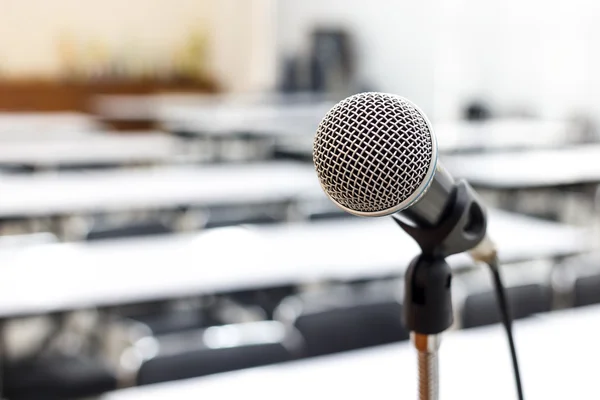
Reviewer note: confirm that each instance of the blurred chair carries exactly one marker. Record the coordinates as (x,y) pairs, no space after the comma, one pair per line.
(197,146)
(280,153)
(27,239)
(249,220)
(267,299)
(57,378)
(54,357)
(318,210)
(16,169)
(87,167)
(477,110)
(232,216)
(214,350)
(188,135)
(175,321)
(586,290)
(245,147)
(21,225)
(290,76)
(332,61)
(133,229)
(167,316)
(525,300)
(342,319)
(328,215)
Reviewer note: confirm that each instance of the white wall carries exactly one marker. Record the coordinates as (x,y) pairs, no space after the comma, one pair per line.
(539,54)
(394,38)
(542,55)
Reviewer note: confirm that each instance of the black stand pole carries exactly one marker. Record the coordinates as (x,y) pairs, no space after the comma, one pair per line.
(427,297)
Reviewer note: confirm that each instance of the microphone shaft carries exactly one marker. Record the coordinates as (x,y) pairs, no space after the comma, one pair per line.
(427,351)
(428,376)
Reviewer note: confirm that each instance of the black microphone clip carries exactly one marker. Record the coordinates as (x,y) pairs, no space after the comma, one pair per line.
(427,295)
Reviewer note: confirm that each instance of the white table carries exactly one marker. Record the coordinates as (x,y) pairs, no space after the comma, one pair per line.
(261,119)
(151,107)
(42,125)
(159,187)
(368,247)
(91,148)
(558,355)
(493,135)
(528,169)
(42,278)
(504,134)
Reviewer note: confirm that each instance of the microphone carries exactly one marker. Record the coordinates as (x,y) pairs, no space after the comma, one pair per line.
(375,155)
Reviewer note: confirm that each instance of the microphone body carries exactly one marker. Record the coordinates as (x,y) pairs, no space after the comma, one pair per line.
(428,209)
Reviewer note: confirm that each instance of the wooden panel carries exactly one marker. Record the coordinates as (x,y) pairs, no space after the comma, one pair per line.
(58,96)
(63,96)
(40,96)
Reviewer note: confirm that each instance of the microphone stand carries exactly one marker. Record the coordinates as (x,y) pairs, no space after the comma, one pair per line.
(428,281)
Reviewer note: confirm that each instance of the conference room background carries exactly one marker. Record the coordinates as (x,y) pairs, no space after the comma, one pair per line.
(163,232)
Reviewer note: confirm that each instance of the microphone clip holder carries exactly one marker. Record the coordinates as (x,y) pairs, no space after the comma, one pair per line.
(427,296)
(428,280)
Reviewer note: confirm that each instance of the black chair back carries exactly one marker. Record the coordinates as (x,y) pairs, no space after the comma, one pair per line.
(346,320)
(587,290)
(350,328)
(482,309)
(57,378)
(128,230)
(218,349)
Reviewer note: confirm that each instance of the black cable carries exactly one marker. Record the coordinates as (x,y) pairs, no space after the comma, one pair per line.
(506,321)
(2,359)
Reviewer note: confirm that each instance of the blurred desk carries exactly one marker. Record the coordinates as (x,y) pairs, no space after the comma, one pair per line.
(557,353)
(494,135)
(46,194)
(362,248)
(159,106)
(528,169)
(259,120)
(91,148)
(37,125)
(505,134)
(63,276)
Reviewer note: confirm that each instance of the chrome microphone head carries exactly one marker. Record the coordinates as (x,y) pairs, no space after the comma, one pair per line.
(375,154)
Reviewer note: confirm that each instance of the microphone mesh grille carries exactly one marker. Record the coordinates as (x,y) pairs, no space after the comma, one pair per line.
(372,151)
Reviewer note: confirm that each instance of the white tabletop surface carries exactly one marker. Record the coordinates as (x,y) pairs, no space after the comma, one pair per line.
(41,278)
(165,186)
(558,355)
(539,168)
(262,119)
(153,106)
(39,125)
(499,134)
(503,133)
(96,147)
